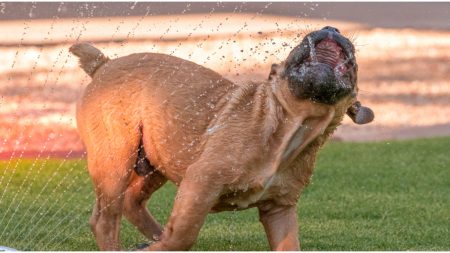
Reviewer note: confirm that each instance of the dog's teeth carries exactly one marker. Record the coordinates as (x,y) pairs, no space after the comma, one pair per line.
(312,50)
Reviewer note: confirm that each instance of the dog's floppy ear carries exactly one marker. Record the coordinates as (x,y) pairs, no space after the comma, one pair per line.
(273,71)
(360,114)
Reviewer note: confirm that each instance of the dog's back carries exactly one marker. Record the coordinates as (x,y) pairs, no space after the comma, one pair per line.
(164,100)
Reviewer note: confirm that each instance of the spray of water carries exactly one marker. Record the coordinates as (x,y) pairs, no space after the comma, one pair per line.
(44,222)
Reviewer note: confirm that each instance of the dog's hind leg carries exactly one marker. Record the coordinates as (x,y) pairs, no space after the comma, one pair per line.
(111,158)
(110,180)
(110,185)
(144,181)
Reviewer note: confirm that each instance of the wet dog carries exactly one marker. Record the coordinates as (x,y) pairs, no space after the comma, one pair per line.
(147,118)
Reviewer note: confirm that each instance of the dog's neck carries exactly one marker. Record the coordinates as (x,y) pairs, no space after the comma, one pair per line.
(297,108)
(304,121)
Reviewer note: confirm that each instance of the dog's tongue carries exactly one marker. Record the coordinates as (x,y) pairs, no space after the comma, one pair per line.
(329,52)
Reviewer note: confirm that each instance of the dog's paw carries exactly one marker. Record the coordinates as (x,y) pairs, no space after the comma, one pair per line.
(141,246)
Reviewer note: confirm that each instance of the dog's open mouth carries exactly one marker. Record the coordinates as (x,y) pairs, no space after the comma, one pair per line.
(329,52)
(323,67)
(326,46)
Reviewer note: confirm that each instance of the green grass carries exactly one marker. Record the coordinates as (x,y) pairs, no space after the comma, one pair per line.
(363,196)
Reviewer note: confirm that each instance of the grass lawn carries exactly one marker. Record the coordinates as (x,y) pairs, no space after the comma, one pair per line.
(363,196)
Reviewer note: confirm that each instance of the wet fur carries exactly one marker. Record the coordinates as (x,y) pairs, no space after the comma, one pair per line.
(148,118)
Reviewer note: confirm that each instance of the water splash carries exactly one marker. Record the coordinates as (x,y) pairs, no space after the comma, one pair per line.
(36,229)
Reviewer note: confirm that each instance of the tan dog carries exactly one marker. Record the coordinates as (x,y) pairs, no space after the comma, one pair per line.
(148,118)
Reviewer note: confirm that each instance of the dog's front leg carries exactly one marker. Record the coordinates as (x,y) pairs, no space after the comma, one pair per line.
(197,194)
(280,224)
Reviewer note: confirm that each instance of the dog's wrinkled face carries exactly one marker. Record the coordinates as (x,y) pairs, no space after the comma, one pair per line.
(323,69)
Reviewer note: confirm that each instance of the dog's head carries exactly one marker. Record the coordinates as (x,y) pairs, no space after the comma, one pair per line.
(323,69)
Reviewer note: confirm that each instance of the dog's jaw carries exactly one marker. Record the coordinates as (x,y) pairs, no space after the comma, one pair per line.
(322,68)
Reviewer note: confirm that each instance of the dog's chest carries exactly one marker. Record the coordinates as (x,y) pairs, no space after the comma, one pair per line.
(276,180)
(276,188)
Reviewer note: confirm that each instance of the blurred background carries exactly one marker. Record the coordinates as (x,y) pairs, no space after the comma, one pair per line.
(403,50)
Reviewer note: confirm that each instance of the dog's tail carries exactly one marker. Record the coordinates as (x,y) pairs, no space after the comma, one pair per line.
(90,57)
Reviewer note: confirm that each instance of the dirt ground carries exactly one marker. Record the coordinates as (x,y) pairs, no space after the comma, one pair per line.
(404,74)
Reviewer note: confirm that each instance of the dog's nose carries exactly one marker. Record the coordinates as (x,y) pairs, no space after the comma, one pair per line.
(331,29)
